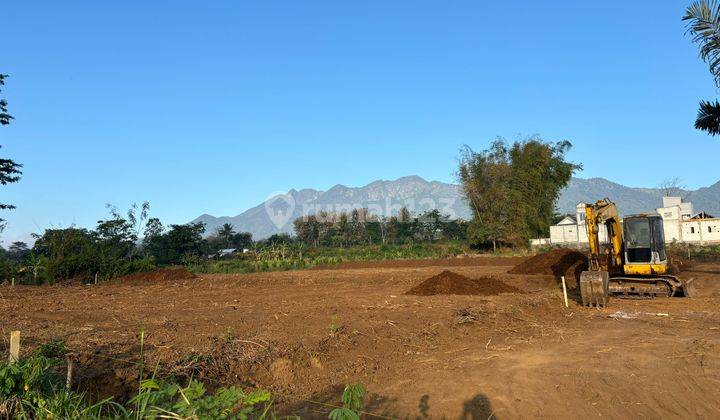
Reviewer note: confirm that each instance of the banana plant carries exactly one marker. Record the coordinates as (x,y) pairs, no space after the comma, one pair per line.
(34,265)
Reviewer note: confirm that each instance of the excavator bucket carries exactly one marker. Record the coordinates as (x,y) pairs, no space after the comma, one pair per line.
(688,287)
(594,288)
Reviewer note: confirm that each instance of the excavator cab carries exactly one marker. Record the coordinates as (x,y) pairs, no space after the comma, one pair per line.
(644,245)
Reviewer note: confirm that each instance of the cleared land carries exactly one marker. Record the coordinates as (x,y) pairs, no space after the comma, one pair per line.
(303,334)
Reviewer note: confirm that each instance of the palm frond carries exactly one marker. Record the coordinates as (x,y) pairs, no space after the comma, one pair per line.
(703,19)
(708,118)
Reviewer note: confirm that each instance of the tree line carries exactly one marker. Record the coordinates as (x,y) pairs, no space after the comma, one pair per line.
(119,245)
(131,242)
(359,227)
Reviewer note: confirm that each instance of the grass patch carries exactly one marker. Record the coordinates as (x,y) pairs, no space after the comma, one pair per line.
(294,258)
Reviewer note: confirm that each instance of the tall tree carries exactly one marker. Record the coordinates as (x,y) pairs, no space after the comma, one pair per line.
(178,242)
(4,116)
(241,240)
(153,228)
(133,222)
(18,251)
(307,229)
(703,19)
(512,190)
(539,173)
(226,232)
(486,181)
(9,169)
(672,187)
(152,240)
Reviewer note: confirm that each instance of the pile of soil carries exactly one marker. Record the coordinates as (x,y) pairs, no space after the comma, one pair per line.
(558,262)
(161,275)
(450,283)
(678,259)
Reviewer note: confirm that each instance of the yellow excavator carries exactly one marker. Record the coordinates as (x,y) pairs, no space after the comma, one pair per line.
(634,265)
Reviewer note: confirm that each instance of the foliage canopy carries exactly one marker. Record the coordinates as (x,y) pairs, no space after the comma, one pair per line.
(512,189)
(10,170)
(703,23)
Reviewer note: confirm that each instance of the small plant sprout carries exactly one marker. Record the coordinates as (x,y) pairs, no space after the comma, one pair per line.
(229,336)
(335,324)
(352,399)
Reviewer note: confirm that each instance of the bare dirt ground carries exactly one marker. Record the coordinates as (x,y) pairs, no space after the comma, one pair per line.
(303,334)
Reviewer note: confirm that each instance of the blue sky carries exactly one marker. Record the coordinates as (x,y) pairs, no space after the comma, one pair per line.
(208,107)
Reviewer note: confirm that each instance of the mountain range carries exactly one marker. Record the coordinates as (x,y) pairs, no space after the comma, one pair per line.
(387,197)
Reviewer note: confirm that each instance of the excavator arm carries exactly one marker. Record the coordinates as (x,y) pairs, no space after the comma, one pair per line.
(595,282)
(604,213)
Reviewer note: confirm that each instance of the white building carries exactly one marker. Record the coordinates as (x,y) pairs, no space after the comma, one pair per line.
(701,229)
(674,211)
(683,225)
(573,231)
(564,232)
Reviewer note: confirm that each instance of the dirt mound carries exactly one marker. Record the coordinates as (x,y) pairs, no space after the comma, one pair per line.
(449,283)
(678,259)
(559,262)
(161,275)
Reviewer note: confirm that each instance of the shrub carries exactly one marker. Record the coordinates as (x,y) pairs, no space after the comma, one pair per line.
(33,388)
(159,400)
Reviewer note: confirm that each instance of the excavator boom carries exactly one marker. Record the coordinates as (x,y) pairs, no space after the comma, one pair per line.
(604,212)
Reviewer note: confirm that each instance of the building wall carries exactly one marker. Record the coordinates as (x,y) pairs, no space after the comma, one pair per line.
(674,212)
(672,230)
(669,213)
(701,231)
(540,241)
(574,234)
(563,234)
(583,236)
(686,210)
(691,231)
(580,214)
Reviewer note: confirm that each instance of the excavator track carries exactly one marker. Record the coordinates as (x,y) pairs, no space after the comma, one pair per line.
(597,286)
(636,288)
(650,287)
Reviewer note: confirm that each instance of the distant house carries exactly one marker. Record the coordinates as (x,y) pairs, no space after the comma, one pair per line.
(566,231)
(226,252)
